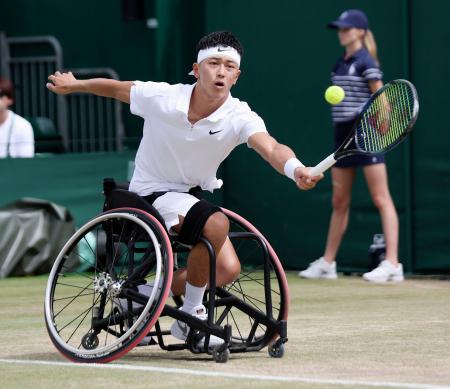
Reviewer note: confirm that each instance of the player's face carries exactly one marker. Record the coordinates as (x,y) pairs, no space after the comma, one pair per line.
(218,75)
(347,36)
(5,103)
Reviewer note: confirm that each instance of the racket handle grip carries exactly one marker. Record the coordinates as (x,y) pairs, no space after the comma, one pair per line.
(323,165)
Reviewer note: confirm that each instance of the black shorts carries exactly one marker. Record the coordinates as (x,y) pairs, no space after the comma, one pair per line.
(341,131)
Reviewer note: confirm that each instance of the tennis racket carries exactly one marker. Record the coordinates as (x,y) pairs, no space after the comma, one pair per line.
(384,121)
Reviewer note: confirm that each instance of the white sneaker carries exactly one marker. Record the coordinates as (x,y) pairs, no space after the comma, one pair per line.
(180,330)
(385,272)
(320,268)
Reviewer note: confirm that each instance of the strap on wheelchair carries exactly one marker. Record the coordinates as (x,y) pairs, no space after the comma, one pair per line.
(195,220)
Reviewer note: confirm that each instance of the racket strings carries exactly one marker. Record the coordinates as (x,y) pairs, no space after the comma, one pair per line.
(387,118)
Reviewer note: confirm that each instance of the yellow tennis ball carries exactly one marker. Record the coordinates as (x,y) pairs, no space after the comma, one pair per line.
(334,94)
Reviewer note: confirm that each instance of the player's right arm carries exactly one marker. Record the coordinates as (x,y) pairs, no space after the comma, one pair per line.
(65,83)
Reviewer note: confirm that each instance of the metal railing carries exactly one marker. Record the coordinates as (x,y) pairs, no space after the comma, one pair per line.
(86,123)
(29,61)
(94,123)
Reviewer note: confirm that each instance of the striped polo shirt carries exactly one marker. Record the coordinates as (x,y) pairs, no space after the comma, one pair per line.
(353,75)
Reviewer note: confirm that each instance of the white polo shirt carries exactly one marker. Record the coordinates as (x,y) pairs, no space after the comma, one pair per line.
(175,155)
(16,137)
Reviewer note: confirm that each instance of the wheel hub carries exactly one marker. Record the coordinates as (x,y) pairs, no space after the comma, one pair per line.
(102,282)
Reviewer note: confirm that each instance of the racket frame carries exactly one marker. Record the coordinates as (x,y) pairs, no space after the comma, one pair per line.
(342,150)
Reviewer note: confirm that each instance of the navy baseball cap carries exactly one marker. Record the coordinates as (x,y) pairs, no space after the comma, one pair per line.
(351,18)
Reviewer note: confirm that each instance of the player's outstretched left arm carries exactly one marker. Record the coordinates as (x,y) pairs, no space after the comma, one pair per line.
(279,156)
(65,83)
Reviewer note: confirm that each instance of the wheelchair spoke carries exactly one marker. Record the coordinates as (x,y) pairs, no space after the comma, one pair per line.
(87,261)
(91,263)
(74,296)
(72,286)
(243,297)
(75,272)
(78,326)
(251,299)
(65,306)
(120,273)
(124,257)
(247,275)
(112,242)
(135,236)
(85,313)
(89,245)
(236,325)
(250,279)
(256,280)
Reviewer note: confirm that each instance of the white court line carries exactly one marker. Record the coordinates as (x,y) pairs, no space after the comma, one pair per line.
(170,370)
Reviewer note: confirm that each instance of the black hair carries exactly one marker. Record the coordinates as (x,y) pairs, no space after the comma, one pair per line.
(220,38)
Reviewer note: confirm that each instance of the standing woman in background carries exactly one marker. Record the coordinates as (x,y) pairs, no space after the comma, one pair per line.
(359,74)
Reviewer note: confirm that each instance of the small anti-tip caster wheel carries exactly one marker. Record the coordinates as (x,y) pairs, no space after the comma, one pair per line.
(276,350)
(221,356)
(89,341)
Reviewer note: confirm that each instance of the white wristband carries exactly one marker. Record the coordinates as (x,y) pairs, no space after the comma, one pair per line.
(290,166)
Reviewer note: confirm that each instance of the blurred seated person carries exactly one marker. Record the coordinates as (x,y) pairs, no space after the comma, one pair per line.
(16,133)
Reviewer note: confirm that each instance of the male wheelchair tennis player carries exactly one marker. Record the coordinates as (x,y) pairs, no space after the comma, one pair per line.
(110,285)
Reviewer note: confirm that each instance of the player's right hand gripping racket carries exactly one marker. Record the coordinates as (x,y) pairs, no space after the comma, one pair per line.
(384,121)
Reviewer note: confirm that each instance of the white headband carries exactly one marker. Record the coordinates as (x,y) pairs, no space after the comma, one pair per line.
(219,51)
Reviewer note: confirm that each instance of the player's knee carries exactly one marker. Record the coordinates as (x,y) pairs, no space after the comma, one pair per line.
(234,271)
(228,271)
(340,203)
(216,228)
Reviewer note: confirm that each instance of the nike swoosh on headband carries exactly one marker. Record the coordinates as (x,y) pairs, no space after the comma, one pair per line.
(226,51)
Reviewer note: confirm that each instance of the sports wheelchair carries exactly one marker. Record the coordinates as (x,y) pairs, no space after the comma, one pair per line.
(108,290)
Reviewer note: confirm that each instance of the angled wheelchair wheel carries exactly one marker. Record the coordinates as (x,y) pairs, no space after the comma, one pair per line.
(258,301)
(108,285)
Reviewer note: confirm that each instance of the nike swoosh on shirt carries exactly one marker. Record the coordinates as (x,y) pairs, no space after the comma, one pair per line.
(211,132)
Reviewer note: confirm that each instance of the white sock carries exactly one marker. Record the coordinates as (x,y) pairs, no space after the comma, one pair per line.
(193,297)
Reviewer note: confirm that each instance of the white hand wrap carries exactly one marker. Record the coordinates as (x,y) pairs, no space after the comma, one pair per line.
(290,166)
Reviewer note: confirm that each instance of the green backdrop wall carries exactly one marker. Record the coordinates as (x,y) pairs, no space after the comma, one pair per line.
(430,163)
(285,69)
